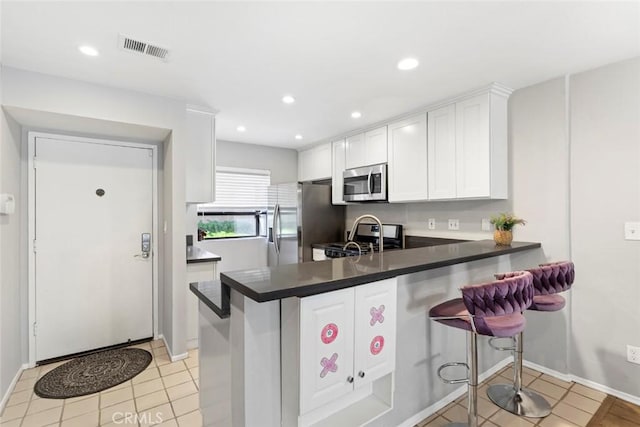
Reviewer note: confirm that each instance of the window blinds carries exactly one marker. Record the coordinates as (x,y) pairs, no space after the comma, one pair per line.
(239,190)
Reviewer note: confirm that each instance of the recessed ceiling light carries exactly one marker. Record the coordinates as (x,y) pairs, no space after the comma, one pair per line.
(288,99)
(356,114)
(408,64)
(88,50)
(298,136)
(241,128)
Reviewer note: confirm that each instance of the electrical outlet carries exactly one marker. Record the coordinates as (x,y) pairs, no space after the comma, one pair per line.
(486,224)
(632,230)
(454,224)
(431,223)
(633,354)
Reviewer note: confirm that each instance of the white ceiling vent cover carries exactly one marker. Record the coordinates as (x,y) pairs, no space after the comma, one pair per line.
(142,48)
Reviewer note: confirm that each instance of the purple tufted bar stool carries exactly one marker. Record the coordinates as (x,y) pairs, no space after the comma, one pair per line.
(493,309)
(548,280)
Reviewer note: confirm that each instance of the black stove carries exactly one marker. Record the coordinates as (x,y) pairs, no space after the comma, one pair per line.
(367,239)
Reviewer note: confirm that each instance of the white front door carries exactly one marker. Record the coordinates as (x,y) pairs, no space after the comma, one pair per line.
(93,286)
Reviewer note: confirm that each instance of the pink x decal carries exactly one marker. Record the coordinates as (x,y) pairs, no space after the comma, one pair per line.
(376,315)
(328,365)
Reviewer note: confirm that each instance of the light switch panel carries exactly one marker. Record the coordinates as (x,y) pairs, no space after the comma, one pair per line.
(7,204)
(632,230)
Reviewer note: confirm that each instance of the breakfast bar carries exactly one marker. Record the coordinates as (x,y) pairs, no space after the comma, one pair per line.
(345,341)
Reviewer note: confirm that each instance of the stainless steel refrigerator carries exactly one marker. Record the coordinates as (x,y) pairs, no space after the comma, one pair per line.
(299,215)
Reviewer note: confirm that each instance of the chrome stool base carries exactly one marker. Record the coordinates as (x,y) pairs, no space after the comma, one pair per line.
(525,402)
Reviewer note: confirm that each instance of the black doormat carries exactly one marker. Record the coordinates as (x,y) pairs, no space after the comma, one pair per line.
(92,373)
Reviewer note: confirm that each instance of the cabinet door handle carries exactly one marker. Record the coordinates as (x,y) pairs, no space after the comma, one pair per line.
(361,374)
(349,379)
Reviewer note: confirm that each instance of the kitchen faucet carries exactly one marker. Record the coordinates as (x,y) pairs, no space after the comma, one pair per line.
(359,220)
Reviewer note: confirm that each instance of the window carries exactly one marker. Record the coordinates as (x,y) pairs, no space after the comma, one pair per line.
(240,206)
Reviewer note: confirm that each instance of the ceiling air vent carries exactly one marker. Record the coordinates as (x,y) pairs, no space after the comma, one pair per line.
(142,48)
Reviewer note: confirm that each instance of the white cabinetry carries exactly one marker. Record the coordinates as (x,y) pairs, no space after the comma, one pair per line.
(407,158)
(356,152)
(326,348)
(368,148)
(376,146)
(315,163)
(468,149)
(442,153)
(347,346)
(200,162)
(338,167)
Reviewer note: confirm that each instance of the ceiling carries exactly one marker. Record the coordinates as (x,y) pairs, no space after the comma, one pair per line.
(333,57)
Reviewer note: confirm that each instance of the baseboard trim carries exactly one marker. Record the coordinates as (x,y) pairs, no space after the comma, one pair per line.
(12,385)
(545,370)
(460,391)
(605,389)
(588,383)
(173,358)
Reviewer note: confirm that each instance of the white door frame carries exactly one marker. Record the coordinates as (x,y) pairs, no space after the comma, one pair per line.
(31,182)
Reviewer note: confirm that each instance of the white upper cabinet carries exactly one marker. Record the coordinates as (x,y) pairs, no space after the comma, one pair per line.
(338,166)
(481,147)
(468,148)
(473,148)
(369,148)
(407,159)
(200,162)
(355,151)
(315,163)
(457,150)
(442,153)
(376,145)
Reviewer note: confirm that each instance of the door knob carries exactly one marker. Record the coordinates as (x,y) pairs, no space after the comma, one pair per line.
(349,379)
(361,374)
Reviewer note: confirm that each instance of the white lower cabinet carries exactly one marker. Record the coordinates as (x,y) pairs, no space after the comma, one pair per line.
(326,348)
(347,348)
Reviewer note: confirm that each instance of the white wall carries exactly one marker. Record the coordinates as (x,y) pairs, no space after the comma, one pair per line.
(11,310)
(540,193)
(605,192)
(282,162)
(41,93)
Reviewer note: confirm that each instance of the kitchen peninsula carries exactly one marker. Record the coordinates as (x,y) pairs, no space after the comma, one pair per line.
(339,342)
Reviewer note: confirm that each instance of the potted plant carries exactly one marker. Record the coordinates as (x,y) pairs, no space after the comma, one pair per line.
(504,224)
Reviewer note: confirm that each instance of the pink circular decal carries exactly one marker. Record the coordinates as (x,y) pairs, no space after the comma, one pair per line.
(377,344)
(329,333)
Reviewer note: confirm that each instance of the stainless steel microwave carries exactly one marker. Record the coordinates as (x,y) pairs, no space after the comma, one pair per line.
(366,184)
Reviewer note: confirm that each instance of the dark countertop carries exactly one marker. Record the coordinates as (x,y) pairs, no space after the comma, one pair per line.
(310,278)
(196,254)
(210,293)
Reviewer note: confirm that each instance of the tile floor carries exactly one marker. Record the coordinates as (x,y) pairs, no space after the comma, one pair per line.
(572,404)
(165,394)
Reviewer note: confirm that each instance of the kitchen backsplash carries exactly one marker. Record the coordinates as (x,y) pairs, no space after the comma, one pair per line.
(414,216)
